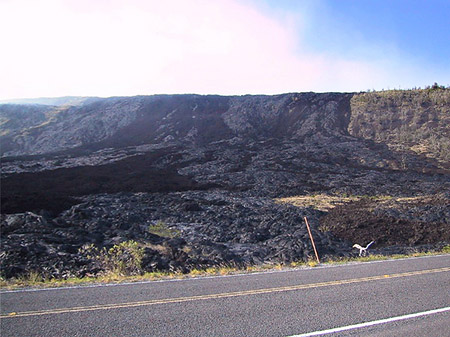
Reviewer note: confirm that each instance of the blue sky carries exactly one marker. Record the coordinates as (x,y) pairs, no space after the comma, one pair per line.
(133,47)
(417,28)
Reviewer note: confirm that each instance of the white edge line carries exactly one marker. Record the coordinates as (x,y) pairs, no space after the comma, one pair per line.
(367,324)
(286,270)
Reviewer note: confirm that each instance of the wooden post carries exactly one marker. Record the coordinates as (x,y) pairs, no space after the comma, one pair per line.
(312,240)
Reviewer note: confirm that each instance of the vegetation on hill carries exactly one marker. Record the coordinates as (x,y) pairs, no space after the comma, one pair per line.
(415,120)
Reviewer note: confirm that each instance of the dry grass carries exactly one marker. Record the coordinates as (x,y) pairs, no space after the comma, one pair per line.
(162,229)
(36,281)
(325,202)
(322,202)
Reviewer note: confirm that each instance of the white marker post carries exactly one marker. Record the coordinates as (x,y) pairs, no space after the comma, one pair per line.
(312,240)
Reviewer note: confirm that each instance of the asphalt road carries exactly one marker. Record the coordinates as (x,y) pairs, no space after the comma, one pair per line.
(281,303)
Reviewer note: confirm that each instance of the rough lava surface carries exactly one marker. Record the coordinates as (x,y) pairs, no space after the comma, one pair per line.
(212,169)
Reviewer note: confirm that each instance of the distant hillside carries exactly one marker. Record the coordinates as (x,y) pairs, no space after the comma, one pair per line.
(415,120)
(15,119)
(66,100)
(119,122)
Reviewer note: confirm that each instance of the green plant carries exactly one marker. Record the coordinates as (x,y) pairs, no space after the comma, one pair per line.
(436,86)
(33,277)
(124,258)
(161,229)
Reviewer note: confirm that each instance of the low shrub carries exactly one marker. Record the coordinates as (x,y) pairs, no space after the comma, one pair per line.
(124,258)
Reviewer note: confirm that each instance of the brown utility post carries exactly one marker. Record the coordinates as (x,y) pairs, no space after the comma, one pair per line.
(312,240)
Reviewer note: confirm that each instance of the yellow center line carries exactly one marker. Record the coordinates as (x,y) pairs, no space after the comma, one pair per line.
(219,295)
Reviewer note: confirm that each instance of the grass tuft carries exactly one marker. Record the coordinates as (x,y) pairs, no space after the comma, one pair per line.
(161,229)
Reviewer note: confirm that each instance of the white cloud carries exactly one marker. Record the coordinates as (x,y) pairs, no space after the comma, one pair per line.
(104,48)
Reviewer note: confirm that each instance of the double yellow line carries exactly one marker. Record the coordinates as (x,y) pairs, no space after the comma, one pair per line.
(219,295)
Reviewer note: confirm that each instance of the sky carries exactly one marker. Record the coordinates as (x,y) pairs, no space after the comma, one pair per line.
(52,48)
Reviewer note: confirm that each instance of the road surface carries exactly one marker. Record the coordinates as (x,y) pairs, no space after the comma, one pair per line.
(409,297)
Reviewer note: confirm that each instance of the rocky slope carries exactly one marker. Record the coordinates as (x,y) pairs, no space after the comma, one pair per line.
(209,167)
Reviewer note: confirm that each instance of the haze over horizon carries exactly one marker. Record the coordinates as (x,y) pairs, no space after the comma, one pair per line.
(227,47)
